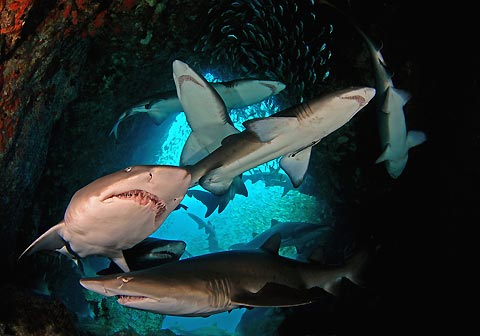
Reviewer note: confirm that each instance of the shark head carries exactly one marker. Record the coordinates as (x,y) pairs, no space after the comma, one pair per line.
(148,253)
(150,290)
(119,210)
(347,102)
(327,113)
(153,251)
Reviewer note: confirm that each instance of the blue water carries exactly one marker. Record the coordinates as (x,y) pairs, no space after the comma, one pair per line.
(237,223)
(227,321)
(240,220)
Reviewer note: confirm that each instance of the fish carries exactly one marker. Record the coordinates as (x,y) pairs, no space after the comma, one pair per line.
(149,252)
(211,201)
(271,32)
(237,93)
(208,118)
(207,113)
(209,229)
(290,134)
(297,234)
(158,108)
(115,212)
(395,140)
(222,281)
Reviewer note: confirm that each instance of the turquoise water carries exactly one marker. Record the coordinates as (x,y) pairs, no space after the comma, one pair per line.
(237,223)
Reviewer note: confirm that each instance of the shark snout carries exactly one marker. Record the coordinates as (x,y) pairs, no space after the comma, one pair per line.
(179,66)
(369,94)
(96,286)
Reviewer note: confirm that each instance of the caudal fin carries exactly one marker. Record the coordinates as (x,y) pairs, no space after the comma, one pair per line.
(50,240)
(220,202)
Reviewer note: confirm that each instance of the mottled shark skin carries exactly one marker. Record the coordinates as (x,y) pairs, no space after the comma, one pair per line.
(222,281)
(237,93)
(289,134)
(116,212)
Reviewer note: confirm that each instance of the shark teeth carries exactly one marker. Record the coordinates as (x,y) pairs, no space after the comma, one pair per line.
(124,299)
(143,197)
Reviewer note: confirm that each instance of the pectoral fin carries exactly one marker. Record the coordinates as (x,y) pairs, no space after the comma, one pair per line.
(215,185)
(394,97)
(267,129)
(157,116)
(193,151)
(385,155)
(274,295)
(415,138)
(295,165)
(50,240)
(119,259)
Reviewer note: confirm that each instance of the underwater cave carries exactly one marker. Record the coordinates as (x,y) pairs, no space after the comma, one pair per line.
(70,68)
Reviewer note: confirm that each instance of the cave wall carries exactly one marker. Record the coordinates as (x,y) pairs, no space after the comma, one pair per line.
(74,65)
(68,68)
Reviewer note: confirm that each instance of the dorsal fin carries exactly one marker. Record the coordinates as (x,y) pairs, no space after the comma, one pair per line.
(272,244)
(273,222)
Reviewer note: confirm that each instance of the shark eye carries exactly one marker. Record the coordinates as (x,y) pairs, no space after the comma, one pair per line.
(151,175)
(128,169)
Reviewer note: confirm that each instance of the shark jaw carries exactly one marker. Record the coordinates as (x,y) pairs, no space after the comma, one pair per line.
(144,199)
(115,212)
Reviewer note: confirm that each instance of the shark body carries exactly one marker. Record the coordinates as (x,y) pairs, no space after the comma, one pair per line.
(209,121)
(222,281)
(289,134)
(305,237)
(395,140)
(116,212)
(237,93)
(149,252)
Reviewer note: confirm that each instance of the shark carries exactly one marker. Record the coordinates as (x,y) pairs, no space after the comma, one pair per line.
(209,229)
(301,235)
(149,252)
(115,212)
(237,93)
(290,134)
(209,122)
(222,281)
(395,140)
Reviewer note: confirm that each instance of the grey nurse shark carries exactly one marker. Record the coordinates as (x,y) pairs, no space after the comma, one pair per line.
(395,140)
(237,93)
(394,137)
(222,281)
(116,212)
(289,134)
(305,237)
(149,252)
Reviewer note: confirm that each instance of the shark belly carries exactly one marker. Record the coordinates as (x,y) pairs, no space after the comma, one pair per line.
(247,156)
(125,227)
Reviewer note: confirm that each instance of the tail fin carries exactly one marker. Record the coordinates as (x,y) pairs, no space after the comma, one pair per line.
(212,201)
(353,270)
